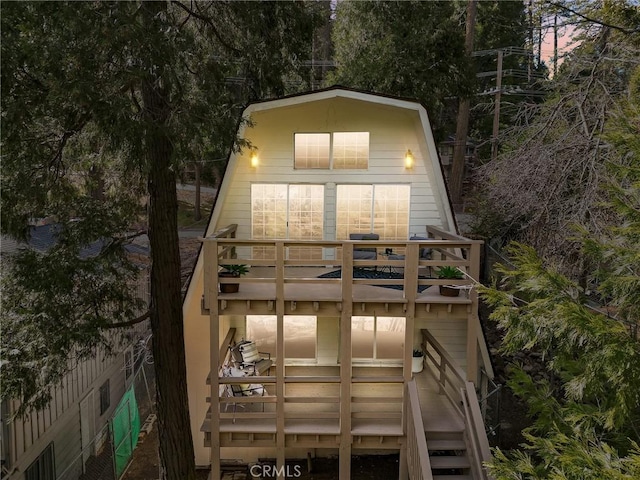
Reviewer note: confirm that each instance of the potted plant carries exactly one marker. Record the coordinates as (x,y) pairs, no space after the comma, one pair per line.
(449,273)
(417,361)
(232,271)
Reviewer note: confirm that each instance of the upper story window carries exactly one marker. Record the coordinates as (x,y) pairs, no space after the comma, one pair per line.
(351,150)
(312,150)
(340,150)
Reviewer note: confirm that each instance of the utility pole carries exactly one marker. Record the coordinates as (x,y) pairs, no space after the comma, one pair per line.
(460,146)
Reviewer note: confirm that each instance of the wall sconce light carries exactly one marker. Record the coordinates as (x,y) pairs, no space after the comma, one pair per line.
(254,160)
(408,159)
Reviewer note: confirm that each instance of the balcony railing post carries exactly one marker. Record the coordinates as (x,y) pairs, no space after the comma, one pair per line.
(280,354)
(345,361)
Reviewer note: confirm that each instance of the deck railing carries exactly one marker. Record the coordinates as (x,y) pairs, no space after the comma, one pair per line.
(271,260)
(418,463)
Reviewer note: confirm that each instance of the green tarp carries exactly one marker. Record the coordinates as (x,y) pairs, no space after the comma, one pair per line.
(125,426)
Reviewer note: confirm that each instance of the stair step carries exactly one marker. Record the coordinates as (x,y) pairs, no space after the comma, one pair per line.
(439,444)
(452,477)
(449,461)
(444,435)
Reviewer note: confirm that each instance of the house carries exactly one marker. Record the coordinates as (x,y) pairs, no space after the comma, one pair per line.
(339,210)
(71,437)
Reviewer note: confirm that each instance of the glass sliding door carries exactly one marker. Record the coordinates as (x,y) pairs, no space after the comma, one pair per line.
(283,211)
(381,209)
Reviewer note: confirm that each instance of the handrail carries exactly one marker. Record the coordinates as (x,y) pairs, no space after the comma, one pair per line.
(467,404)
(449,376)
(337,254)
(418,462)
(228,231)
(476,438)
(443,234)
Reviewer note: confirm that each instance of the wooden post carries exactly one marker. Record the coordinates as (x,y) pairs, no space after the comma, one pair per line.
(472,317)
(280,443)
(211,293)
(412,257)
(345,362)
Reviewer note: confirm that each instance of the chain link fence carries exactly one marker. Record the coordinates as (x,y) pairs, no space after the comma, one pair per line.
(108,454)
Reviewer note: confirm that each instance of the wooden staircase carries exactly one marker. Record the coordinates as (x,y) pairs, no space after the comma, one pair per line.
(448,455)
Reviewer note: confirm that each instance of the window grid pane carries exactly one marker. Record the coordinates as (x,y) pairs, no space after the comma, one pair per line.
(299,334)
(311,150)
(268,216)
(351,150)
(353,210)
(391,211)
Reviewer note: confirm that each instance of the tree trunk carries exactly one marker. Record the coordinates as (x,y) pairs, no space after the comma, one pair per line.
(197,214)
(174,429)
(462,125)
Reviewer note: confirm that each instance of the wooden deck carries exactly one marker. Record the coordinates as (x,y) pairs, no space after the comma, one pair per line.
(321,420)
(306,294)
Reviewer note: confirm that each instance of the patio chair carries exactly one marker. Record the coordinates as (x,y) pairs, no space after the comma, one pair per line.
(246,356)
(241,389)
(424,254)
(364,253)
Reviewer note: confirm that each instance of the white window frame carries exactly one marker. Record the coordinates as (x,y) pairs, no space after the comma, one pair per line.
(372,222)
(330,161)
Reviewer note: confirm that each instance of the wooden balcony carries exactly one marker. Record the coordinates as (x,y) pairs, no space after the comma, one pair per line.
(345,406)
(433,417)
(318,277)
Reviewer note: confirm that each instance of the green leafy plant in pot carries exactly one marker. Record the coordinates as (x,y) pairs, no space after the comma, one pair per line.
(232,271)
(449,273)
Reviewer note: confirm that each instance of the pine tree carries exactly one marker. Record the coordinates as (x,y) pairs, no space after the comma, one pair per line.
(132,90)
(586,420)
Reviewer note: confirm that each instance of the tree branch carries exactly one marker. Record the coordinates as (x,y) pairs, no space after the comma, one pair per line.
(129,323)
(208,21)
(593,20)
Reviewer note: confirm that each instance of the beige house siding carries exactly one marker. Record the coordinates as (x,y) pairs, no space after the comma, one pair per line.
(196,330)
(392,132)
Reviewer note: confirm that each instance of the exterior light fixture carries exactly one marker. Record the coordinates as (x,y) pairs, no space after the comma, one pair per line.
(254,160)
(408,160)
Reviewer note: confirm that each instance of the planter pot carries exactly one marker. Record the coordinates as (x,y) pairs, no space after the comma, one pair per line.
(417,364)
(228,287)
(447,291)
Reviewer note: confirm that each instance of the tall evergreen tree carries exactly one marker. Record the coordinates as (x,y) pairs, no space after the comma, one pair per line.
(135,90)
(412,49)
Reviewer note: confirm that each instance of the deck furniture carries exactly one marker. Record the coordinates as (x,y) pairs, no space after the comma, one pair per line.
(246,356)
(364,253)
(241,389)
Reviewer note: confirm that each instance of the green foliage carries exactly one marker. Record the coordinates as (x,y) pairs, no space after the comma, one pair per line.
(413,49)
(449,272)
(236,270)
(586,426)
(80,133)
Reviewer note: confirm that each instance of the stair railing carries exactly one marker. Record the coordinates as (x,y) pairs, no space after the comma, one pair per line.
(419,465)
(475,436)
